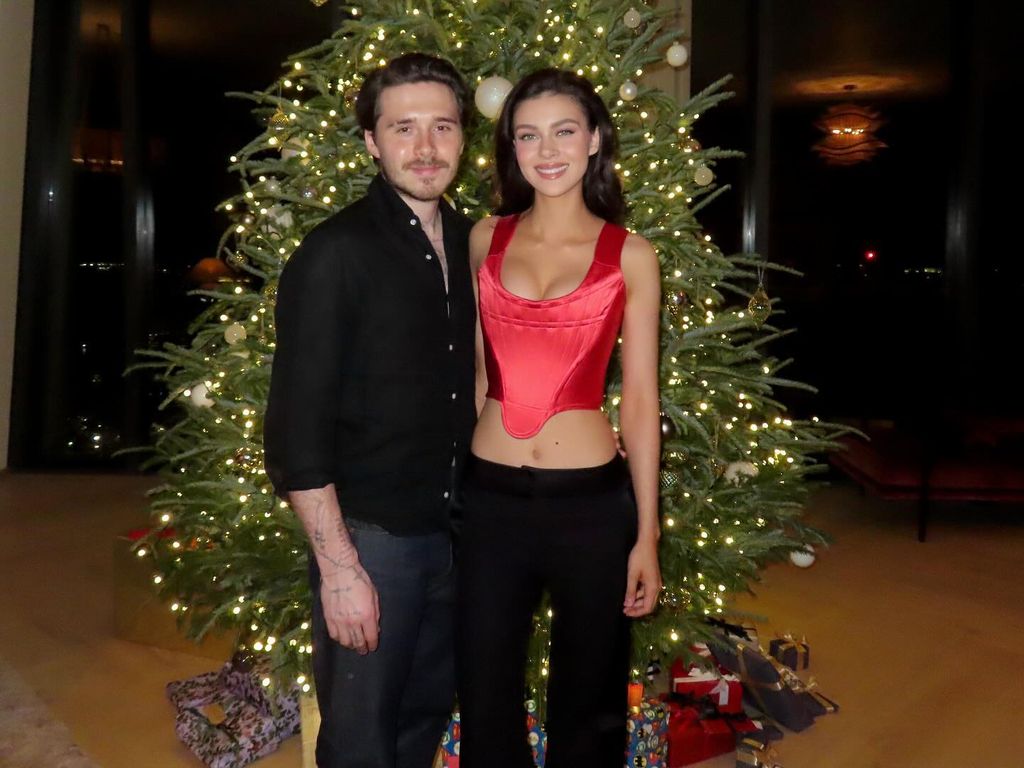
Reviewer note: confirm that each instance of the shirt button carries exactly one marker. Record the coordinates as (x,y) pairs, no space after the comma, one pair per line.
(446,494)
(413,222)
(451,347)
(453,395)
(429,257)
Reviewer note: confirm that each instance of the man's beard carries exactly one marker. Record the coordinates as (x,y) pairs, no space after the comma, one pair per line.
(420,195)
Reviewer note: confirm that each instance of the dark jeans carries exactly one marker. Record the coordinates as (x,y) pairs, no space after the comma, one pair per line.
(389,709)
(570,532)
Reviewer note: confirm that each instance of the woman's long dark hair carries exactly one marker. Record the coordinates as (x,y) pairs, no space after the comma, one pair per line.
(602,191)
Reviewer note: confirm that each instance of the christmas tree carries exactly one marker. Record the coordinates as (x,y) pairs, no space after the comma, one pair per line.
(735,471)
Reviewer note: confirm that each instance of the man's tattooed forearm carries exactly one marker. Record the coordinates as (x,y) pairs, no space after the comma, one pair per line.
(321,522)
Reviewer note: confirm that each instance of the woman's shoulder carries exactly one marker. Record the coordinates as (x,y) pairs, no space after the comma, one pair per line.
(637,247)
(639,262)
(480,239)
(486,226)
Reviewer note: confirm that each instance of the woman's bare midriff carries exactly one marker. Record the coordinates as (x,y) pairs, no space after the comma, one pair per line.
(568,440)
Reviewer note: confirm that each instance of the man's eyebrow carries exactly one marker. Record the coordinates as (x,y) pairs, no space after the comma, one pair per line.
(411,120)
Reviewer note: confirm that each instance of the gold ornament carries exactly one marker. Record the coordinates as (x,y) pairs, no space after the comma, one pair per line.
(690,145)
(235,333)
(759,306)
(318,3)
(668,479)
(243,459)
(676,304)
(703,175)
(278,121)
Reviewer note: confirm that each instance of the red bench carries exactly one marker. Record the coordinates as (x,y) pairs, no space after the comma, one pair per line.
(966,460)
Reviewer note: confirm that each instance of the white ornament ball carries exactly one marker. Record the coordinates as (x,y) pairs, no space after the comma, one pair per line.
(804,558)
(234,333)
(628,91)
(490,95)
(703,175)
(199,397)
(739,469)
(631,18)
(677,55)
(290,151)
(280,218)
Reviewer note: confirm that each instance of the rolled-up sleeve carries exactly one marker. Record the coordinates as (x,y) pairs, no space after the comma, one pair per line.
(311,314)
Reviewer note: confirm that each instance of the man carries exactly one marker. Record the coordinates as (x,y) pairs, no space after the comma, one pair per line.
(370,412)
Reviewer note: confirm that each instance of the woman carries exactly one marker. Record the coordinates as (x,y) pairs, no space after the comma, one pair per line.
(549,503)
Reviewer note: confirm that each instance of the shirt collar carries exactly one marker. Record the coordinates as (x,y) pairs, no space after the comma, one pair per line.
(395,209)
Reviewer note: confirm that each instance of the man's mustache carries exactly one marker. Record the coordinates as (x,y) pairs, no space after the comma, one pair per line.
(425,164)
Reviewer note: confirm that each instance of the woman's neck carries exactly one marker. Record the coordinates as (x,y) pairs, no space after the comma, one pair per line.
(551,217)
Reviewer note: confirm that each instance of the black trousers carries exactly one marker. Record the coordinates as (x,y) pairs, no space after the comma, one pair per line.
(389,709)
(570,532)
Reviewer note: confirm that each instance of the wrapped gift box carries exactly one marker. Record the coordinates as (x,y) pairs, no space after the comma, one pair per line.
(753,730)
(141,617)
(693,737)
(452,735)
(752,754)
(228,719)
(744,632)
(763,683)
(648,735)
(450,741)
(537,738)
(725,691)
(795,654)
(774,688)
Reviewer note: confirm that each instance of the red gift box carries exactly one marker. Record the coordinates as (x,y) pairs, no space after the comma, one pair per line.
(691,739)
(724,691)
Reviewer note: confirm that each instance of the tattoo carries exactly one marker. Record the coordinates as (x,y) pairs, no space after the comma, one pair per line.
(328,534)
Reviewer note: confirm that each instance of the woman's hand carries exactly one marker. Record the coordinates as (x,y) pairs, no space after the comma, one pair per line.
(643,579)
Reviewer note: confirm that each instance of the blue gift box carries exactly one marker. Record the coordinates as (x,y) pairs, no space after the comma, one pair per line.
(538,740)
(648,735)
(647,727)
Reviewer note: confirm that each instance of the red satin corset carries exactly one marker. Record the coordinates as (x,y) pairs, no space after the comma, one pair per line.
(545,356)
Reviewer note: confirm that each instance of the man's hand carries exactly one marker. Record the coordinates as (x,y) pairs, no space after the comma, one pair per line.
(350,602)
(351,608)
(643,579)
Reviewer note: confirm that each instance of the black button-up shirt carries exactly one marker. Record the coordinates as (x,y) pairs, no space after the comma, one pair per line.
(373,373)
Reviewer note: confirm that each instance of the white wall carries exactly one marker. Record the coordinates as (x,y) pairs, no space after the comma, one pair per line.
(15,55)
